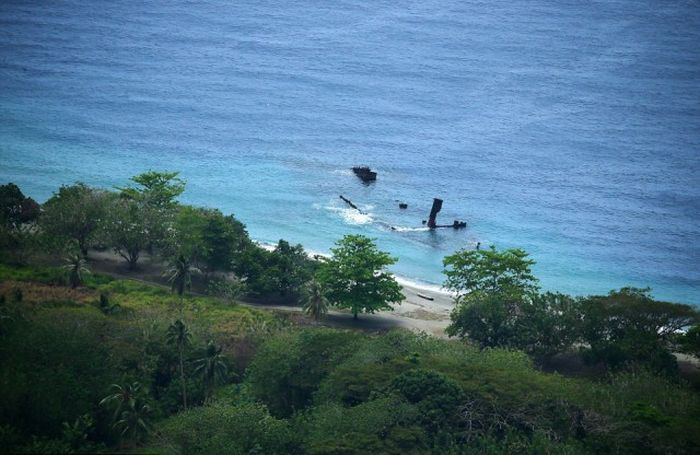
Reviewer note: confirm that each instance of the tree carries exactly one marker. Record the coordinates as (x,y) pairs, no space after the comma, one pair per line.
(134,420)
(225,238)
(180,275)
(15,207)
(178,335)
(17,216)
(541,325)
(157,189)
(282,271)
(209,239)
(290,268)
(355,276)
(75,213)
(689,342)
(211,367)
(490,271)
(76,267)
(128,229)
(186,236)
(315,301)
(629,326)
(122,397)
(154,195)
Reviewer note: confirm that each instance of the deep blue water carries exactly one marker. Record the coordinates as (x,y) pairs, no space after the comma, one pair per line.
(568,128)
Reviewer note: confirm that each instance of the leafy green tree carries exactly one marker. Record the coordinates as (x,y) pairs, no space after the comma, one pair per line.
(489,271)
(178,335)
(629,326)
(18,214)
(157,189)
(542,324)
(186,236)
(355,276)
(252,265)
(291,268)
(128,229)
(689,342)
(283,271)
(75,213)
(15,207)
(154,196)
(315,301)
(209,239)
(225,238)
(211,367)
(76,267)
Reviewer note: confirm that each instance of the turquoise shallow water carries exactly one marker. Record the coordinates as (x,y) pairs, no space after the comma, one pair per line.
(568,128)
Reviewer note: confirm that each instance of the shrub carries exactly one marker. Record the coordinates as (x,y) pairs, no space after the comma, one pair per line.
(385,425)
(288,369)
(224,429)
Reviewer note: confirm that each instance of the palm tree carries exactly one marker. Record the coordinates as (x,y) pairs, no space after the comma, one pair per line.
(134,420)
(315,302)
(122,397)
(211,367)
(76,266)
(180,275)
(178,335)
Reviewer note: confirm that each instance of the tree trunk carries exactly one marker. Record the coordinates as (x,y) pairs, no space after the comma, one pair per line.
(354,313)
(132,260)
(182,380)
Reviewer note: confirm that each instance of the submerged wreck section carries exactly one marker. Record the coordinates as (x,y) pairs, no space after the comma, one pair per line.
(437,206)
(349,202)
(365,173)
(432,219)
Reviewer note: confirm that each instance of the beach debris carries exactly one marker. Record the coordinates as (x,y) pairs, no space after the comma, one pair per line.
(365,173)
(423,296)
(432,219)
(403,205)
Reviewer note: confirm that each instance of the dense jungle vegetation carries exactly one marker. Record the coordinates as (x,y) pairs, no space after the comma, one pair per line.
(92,362)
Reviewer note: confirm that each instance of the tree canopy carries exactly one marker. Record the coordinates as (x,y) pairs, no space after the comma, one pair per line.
(542,325)
(158,189)
(490,271)
(355,276)
(75,214)
(15,207)
(630,326)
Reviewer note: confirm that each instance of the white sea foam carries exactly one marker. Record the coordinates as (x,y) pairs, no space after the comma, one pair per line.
(419,285)
(352,216)
(410,229)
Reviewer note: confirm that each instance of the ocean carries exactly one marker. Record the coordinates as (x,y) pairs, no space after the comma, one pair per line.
(570,129)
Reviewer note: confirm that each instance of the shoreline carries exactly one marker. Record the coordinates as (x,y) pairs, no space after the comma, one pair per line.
(412,283)
(415,312)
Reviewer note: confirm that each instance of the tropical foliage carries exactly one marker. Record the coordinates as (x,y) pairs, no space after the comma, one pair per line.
(355,277)
(97,364)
